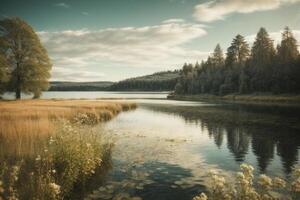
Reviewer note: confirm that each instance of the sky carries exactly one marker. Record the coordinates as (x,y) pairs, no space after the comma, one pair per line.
(111,40)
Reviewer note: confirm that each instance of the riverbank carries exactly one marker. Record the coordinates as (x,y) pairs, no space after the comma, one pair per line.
(251,98)
(51,149)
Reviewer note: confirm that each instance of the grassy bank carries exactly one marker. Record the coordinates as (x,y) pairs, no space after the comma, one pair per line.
(253,98)
(49,149)
(22,123)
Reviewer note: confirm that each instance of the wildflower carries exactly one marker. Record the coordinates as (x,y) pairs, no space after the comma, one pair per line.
(53,171)
(55,188)
(296,185)
(279,183)
(212,172)
(51,140)
(265,181)
(240,176)
(202,196)
(38,158)
(297,173)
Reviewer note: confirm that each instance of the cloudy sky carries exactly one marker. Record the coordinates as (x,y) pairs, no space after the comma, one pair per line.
(103,40)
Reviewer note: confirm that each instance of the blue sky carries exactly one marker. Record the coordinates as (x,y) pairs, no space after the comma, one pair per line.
(101,40)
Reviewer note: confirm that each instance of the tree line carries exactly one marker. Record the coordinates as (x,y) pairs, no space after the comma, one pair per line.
(263,68)
(160,81)
(24,62)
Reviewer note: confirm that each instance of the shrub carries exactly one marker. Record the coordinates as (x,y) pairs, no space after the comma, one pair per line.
(265,188)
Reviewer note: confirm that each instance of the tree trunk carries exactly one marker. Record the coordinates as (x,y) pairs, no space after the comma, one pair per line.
(18,92)
(18,83)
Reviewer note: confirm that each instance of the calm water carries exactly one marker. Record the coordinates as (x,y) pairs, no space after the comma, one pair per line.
(164,148)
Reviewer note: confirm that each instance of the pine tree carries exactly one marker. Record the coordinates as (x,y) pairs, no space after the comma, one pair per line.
(27,59)
(288,50)
(218,56)
(263,51)
(262,59)
(238,52)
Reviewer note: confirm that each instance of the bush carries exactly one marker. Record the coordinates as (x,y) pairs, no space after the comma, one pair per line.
(265,188)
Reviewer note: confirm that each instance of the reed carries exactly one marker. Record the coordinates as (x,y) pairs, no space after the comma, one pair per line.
(24,124)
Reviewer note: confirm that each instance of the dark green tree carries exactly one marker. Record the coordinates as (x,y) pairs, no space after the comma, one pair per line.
(3,73)
(262,60)
(288,49)
(218,56)
(238,52)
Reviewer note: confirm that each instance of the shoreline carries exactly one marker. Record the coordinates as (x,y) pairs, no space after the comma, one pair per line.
(250,98)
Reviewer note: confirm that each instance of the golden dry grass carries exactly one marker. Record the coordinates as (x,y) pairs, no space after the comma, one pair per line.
(23,123)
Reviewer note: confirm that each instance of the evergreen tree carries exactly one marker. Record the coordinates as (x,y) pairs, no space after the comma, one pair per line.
(27,59)
(262,59)
(287,72)
(238,52)
(288,50)
(218,56)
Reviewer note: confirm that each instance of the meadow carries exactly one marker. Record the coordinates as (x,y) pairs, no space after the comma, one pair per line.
(49,147)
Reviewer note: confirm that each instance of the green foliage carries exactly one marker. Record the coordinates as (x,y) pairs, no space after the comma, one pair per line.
(261,70)
(3,73)
(80,86)
(160,81)
(27,59)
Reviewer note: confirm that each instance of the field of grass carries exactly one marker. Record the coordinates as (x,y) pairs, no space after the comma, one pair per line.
(24,122)
(48,148)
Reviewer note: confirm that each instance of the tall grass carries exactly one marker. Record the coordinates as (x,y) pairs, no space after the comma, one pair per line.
(47,147)
(24,124)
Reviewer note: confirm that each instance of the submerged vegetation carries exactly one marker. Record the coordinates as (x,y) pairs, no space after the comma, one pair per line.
(246,187)
(50,147)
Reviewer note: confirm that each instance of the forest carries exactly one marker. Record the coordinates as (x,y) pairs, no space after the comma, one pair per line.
(159,81)
(261,69)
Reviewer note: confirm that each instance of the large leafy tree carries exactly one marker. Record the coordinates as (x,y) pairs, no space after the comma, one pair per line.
(3,73)
(28,60)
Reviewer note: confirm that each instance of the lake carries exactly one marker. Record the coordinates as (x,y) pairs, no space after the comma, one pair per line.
(165,148)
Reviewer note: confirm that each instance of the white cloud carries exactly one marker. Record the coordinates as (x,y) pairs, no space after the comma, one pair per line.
(149,46)
(175,20)
(68,74)
(62,5)
(218,10)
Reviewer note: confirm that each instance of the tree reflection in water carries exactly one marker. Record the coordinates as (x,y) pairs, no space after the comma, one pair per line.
(264,130)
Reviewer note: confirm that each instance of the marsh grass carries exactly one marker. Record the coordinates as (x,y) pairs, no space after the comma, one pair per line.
(25,124)
(49,148)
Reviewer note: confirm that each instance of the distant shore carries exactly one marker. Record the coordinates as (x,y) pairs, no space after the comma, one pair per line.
(251,98)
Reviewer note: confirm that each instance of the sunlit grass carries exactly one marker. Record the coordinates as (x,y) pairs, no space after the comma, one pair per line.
(48,147)
(24,123)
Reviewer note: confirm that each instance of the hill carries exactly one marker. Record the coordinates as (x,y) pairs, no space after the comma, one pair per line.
(159,81)
(79,86)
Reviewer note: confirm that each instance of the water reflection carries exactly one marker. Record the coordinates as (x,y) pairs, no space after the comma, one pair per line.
(246,130)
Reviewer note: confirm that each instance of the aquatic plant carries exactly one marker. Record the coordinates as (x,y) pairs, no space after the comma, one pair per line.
(246,187)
